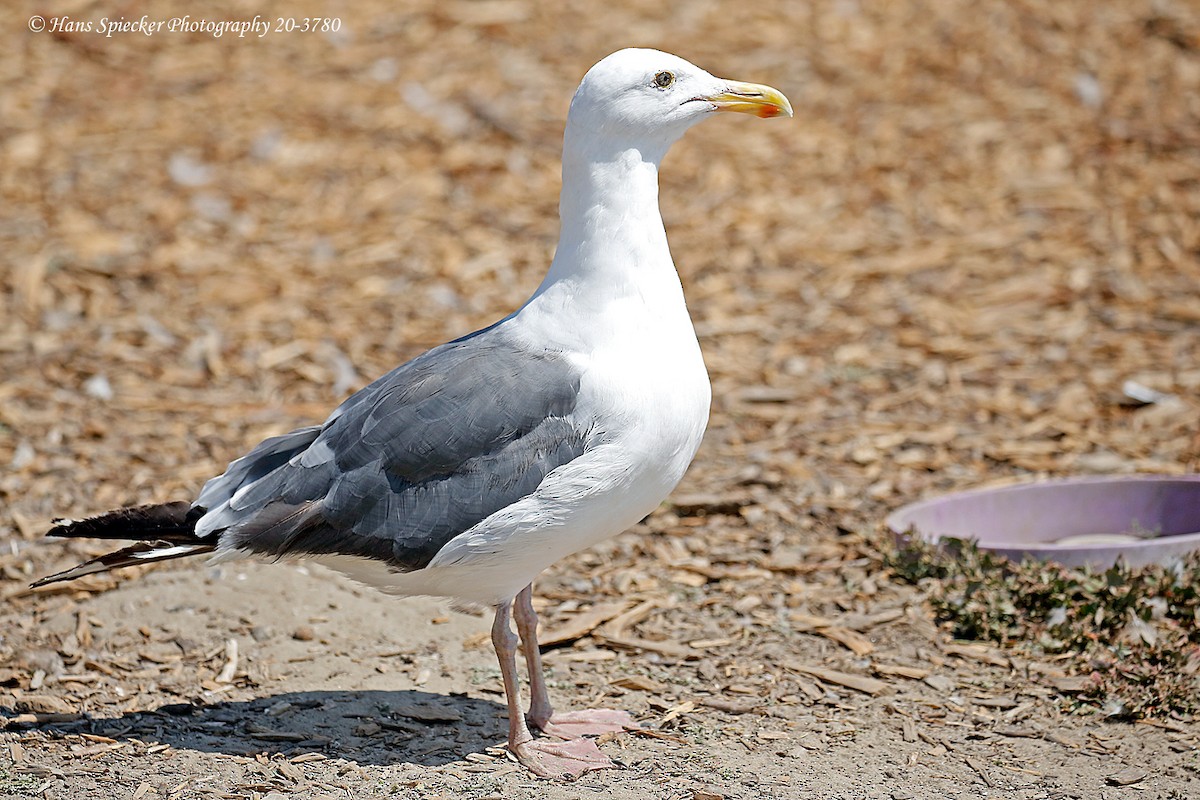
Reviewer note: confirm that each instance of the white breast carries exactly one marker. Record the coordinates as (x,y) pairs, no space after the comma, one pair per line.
(645,396)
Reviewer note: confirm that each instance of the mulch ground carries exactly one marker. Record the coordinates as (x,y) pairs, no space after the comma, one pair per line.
(982,224)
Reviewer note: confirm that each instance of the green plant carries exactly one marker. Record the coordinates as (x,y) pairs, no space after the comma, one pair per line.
(1134,632)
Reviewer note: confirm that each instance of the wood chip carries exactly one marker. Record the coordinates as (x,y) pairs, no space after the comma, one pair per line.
(983,773)
(914,673)
(615,628)
(1127,777)
(1004,703)
(46,718)
(425,713)
(853,640)
(863,622)
(666,648)
(43,704)
(367,728)
(859,683)
(582,623)
(685,707)
(96,750)
(578,656)
(231,662)
(935,741)
(257,731)
(1017,733)
(304,758)
(808,622)
(650,733)
(729,706)
(688,578)
(940,683)
(1063,739)
(1070,684)
(91,737)
(810,689)
(708,644)
(639,683)
(975,652)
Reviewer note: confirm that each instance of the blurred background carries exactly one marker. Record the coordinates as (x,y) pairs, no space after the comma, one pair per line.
(984,219)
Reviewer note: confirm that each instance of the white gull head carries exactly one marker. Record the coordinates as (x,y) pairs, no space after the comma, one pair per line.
(646,100)
(627,112)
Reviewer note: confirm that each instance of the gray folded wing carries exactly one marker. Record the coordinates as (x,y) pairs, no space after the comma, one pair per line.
(408,463)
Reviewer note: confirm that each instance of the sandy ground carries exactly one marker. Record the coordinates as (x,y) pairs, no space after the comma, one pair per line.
(982,222)
(402,699)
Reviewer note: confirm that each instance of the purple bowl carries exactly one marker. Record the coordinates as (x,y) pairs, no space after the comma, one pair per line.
(1141,519)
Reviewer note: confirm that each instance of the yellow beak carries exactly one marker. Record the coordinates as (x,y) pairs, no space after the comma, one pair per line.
(751,98)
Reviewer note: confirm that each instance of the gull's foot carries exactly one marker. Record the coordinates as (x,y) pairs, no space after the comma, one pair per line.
(567,760)
(592,722)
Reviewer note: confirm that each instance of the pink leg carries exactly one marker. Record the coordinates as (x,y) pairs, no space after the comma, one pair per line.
(544,758)
(572,724)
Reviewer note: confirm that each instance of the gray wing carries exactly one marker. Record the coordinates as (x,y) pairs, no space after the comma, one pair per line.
(408,463)
(266,457)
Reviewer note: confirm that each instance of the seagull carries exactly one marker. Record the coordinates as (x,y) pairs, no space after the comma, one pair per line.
(467,471)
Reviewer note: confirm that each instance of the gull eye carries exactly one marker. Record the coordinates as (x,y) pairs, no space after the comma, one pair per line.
(664,79)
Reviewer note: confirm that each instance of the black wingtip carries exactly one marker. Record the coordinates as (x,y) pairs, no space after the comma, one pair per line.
(139,553)
(161,531)
(174,522)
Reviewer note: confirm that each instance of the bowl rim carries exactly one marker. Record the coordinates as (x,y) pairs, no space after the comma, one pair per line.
(894,522)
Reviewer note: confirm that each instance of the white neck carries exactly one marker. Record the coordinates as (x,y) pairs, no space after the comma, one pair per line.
(612,232)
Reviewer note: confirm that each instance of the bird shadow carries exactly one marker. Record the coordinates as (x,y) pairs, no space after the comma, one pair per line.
(365,727)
